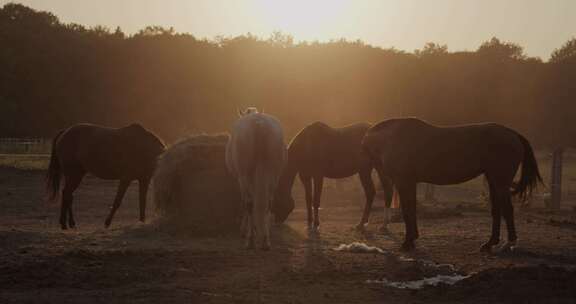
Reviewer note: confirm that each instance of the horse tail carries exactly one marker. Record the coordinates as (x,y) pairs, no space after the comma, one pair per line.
(53,174)
(530,173)
(260,143)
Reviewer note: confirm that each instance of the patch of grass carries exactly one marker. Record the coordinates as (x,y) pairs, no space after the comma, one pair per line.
(25,161)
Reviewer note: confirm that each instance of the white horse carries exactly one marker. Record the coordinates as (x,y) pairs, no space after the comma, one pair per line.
(255,156)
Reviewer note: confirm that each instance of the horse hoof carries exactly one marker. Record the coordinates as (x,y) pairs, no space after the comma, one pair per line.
(487,248)
(72,226)
(407,246)
(508,247)
(107,224)
(63,227)
(361,227)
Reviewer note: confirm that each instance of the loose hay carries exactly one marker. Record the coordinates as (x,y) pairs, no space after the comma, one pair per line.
(358,247)
(193,190)
(419,284)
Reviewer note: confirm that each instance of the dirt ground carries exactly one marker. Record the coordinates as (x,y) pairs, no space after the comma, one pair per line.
(133,262)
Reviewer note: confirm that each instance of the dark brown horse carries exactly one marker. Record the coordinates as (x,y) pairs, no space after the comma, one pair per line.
(319,151)
(412,151)
(124,154)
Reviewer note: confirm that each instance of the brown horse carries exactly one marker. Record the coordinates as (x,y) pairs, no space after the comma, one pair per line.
(412,151)
(124,154)
(319,151)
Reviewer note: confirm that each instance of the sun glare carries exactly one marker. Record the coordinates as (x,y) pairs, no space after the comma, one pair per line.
(305,19)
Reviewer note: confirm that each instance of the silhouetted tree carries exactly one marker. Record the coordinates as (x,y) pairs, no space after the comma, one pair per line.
(564,53)
(54,74)
(498,49)
(432,49)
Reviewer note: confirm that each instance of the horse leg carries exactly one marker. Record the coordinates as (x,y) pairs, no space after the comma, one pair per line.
(318,184)
(263,218)
(261,208)
(143,187)
(124,183)
(369,192)
(388,189)
(496,210)
(508,214)
(387,185)
(71,221)
(247,225)
(72,181)
(307,182)
(250,231)
(407,192)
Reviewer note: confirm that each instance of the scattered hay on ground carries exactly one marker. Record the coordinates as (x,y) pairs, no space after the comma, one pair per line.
(358,247)
(419,284)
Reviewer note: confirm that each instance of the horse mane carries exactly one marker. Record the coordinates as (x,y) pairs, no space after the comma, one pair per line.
(136,127)
(391,121)
(318,125)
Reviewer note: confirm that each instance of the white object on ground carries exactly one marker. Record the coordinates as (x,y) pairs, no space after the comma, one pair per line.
(358,247)
(418,284)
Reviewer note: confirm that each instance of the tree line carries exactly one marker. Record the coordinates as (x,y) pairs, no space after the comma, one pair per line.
(54,74)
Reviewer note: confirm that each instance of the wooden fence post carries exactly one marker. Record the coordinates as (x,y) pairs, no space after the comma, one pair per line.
(556,179)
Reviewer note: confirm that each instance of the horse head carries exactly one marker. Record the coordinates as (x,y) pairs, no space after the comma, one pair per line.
(283,203)
(282,206)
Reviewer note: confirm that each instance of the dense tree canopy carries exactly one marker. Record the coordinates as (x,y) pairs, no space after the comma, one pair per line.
(54,74)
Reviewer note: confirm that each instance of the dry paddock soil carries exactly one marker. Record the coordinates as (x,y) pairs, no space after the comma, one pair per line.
(132,262)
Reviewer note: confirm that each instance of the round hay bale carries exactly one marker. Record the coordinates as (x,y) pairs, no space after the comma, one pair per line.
(193,190)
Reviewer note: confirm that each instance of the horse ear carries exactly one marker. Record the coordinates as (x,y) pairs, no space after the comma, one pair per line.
(239,112)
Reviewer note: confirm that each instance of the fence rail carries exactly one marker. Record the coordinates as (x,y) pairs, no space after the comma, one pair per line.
(10,145)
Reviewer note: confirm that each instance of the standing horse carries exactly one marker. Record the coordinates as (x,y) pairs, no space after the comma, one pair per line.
(255,156)
(319,151)
(124,154)
(412,151)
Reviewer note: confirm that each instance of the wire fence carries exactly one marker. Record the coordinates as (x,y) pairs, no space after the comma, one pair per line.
(11,145)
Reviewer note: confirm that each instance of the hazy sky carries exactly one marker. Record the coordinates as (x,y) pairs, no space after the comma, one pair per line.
(538,25)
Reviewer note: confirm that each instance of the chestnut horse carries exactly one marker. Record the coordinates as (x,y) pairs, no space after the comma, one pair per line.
(124,154)
(320,151)
(412,151)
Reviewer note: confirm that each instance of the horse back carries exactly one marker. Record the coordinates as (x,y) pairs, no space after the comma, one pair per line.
(108,153)
(332,152)
(443,155)
(257,141)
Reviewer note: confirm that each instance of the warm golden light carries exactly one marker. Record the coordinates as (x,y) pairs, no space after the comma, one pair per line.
(303,18)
